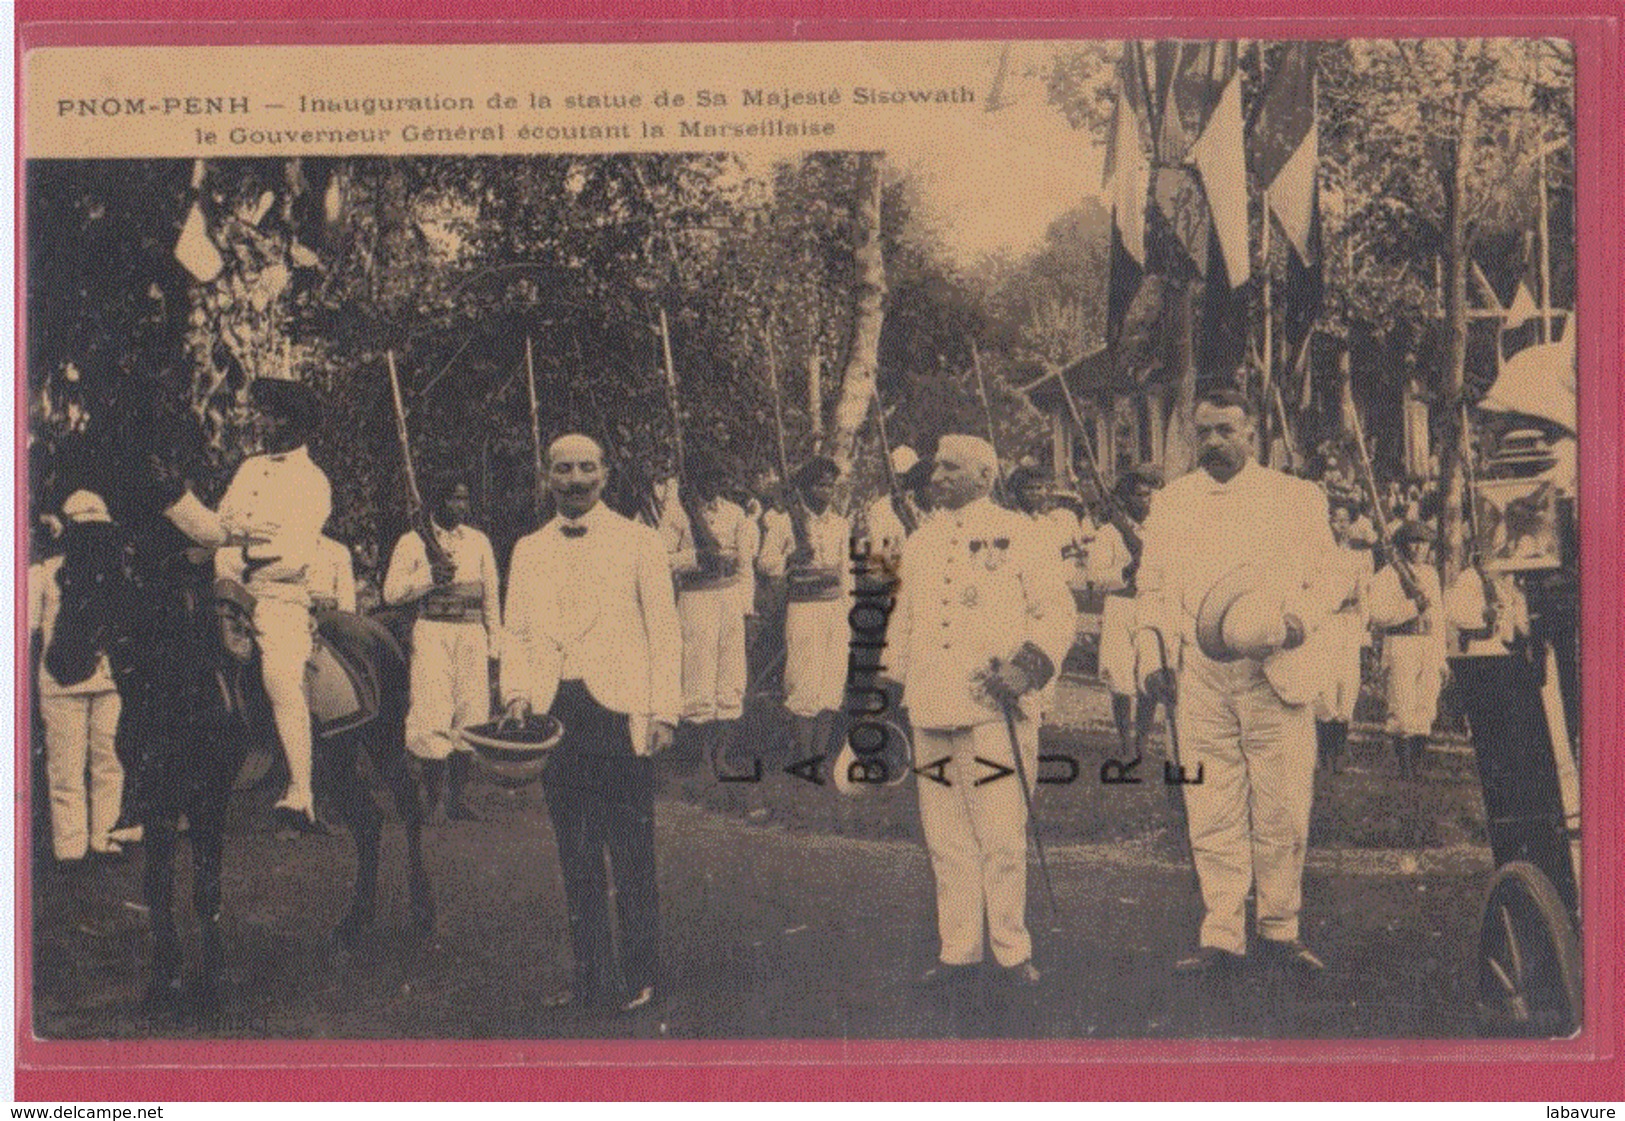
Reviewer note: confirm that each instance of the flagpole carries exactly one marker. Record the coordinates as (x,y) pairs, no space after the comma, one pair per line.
(1269,333)
(1545,252)
(1269,272)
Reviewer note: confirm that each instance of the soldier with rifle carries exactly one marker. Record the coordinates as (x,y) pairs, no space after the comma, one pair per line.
(811,554)
(895,514)
(446,568)
(765,622)
(708,539)
(1406,603)
(1113,565)
(1413,642)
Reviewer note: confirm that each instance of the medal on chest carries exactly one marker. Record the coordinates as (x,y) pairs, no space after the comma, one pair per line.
(992,553)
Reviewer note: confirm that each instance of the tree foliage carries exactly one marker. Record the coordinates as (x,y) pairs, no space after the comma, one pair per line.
(451,266)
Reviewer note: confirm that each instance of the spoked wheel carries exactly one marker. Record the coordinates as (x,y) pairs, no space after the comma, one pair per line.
(1529,981)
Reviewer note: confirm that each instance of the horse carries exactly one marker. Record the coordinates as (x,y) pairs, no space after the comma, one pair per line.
(194,700)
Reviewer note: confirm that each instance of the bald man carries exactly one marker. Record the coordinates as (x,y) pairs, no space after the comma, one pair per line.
(593,638)
(982,621)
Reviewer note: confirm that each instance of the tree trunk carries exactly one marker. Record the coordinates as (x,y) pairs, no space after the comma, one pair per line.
(1458,251)
(869,284)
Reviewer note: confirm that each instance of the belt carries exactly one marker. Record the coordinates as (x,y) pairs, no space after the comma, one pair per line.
(451,607)
(813,585)
(717,572)
(1414,627)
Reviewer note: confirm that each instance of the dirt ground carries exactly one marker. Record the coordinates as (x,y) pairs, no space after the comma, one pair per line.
(812,923)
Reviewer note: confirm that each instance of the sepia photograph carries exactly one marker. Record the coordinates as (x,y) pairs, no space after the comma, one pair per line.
(991,540)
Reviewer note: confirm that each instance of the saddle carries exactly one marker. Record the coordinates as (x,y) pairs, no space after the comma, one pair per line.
(341,678)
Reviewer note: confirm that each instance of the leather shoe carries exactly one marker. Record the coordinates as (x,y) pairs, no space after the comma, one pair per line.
(1292,952)
(1209,961)
(942,975)
(1022,976)
(640,999)
(289,822)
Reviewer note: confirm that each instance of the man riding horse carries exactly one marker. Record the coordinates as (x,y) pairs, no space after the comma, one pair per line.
(185,649)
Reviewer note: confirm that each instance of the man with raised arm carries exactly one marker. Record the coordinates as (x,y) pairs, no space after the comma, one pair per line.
(281,500)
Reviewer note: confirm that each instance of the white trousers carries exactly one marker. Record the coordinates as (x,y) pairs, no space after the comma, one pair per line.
(79,731)
(1249,815)
(1414,682)
(1342,688)
(451,686)
(1117,622)
(977,837)
(284,636)
(817,638)
(713,654)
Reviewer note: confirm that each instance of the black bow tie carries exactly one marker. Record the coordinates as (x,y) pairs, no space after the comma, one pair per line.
(573,531)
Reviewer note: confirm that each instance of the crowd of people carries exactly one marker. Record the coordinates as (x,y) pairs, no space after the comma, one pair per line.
(1238,596)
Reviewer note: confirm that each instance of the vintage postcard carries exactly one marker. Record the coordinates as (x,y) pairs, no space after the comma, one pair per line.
(1034,539)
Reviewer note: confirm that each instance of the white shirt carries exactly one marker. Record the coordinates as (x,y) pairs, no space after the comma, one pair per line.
(736,534)
(776,528)
(410,576)
(600,608)
(976,584)
(1109,559)
(887,534)
(1199,529)
(829,534)
(332,575)
(286,499)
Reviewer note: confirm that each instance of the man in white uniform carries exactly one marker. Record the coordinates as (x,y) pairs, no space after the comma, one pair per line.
(455,640)
(983,619)
(818,584)
(1244,718)
(81,707)
(1113,564)
(1032,496)
(1346,636)
(282,499)
(712,608)
(1411,622)
(593,639)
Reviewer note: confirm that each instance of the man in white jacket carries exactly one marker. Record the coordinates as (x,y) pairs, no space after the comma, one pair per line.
(1244,711)
(281,500)
(982,622)
(592,637)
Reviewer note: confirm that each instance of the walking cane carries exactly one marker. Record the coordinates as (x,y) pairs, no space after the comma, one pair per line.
(1170,705)
(1009,707)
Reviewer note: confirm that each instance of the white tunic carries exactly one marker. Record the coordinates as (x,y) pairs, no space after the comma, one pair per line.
(976,584)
